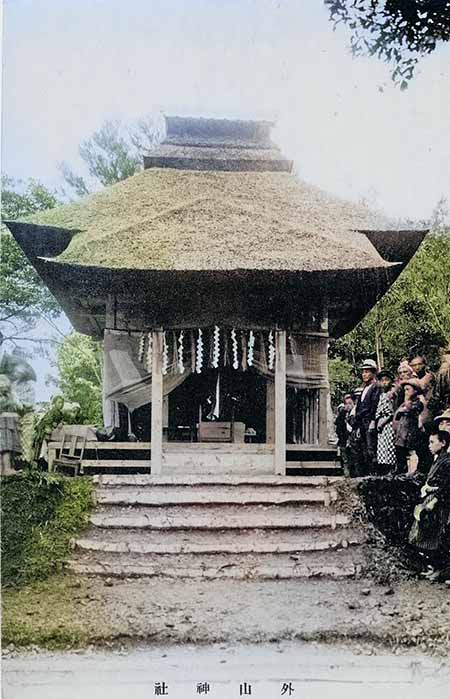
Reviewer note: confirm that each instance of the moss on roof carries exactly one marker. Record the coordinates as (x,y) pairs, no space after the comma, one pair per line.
(185,220)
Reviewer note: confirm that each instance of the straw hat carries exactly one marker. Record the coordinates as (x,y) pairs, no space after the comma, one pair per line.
(369,364)
(445,415)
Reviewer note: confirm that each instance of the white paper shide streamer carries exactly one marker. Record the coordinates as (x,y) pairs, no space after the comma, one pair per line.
(149,354)
(251,348)
(271,351)
(181,352)
(199,362)
(216,347)
(165,357)
(235,349)
(141,351)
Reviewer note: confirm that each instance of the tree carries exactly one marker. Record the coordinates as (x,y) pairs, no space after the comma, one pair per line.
(342,379)
(113,153)
(23,297)
(79,361)
(412,318)
(397,31)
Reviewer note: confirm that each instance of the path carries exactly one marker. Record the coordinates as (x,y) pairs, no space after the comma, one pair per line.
(314,671)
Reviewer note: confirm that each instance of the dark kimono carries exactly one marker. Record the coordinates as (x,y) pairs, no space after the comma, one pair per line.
(406,424)
(432,531)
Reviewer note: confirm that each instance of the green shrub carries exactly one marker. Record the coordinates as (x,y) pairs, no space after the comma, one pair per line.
(40,513)
(342,379)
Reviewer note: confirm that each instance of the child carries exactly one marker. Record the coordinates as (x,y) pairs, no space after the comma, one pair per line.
(406,427)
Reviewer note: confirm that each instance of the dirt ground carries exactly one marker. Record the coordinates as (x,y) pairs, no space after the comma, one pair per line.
(70,612)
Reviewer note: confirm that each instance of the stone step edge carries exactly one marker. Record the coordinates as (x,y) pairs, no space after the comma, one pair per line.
(326,500)
(226,571)
(162,549)
(200,480)
(143,523)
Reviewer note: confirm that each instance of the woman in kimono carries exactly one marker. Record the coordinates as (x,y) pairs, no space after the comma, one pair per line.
(386,459)
(406,428)
(430,531)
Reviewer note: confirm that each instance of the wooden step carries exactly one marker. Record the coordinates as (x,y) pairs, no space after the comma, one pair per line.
(218,517)
(207,542)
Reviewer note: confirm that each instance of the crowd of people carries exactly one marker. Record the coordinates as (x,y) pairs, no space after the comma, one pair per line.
(384,425)
(396,425)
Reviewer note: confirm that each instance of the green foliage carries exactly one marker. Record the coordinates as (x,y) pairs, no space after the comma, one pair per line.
(23,296)
(108,155)
(412,318)
(80,375)
(396,31)
(343,379)
(113,153)
(33,197)
(40,514)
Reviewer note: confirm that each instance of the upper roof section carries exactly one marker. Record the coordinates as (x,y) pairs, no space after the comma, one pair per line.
(200,131)
(217,144)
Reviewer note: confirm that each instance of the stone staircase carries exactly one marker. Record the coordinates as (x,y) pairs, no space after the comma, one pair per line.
(224,526)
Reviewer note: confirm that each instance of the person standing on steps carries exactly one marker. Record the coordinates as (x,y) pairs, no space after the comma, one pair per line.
(343,425)
(384,415)
(406,428)
(365,427)
(427,382)
(430,531)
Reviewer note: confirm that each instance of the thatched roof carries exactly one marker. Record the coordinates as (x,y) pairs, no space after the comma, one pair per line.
(181,220)
(217,225)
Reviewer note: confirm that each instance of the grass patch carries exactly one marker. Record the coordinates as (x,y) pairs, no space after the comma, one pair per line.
(47,614)
(40,514)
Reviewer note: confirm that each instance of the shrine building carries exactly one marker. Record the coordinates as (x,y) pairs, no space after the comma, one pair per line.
(216,278)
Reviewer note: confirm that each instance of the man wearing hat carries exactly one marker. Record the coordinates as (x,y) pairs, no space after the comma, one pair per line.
(365,426)
(442,421)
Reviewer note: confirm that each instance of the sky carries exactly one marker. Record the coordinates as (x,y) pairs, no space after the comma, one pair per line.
(68,66)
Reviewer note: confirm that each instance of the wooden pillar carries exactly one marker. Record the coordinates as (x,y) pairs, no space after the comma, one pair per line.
(324,393)
(323,417)
(110,312)
(165,418)
(270,412)
(157,403)
(280,403)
